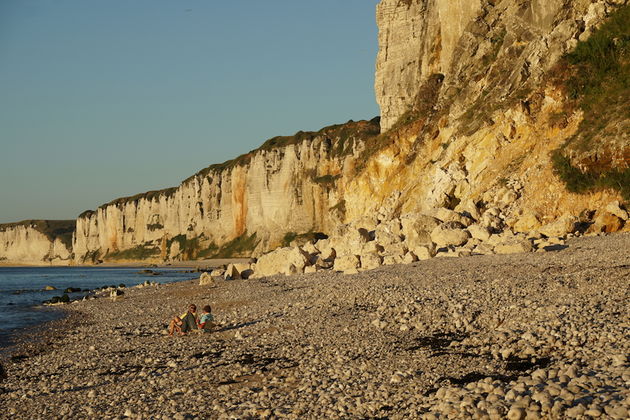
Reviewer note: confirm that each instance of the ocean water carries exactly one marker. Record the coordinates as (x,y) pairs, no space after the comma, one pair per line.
(22,294)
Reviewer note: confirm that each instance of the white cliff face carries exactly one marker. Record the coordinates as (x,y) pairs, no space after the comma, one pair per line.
(417,38)
(27,243)
(462,39)
(269,192)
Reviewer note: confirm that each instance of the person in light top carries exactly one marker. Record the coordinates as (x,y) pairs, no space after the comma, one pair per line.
(185,323)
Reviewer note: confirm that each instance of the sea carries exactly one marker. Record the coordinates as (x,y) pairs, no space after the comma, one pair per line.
(22,290)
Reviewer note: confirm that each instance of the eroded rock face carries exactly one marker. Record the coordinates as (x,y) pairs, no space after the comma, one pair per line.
(36,242)
(289,185)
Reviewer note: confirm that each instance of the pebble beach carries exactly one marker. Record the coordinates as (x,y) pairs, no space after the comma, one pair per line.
(522,336)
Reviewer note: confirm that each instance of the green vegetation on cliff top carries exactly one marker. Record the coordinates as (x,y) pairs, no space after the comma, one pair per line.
(53,229)
(599,83)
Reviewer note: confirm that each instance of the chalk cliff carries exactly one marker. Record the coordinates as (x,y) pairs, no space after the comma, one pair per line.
(37,242)
(290,185)
(515,105)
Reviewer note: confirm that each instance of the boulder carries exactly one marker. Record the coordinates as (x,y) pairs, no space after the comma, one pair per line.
(349,240)
(371,247)
(615,209)
(385,237)
(370,261)
(447,215)
(515,246)
(448,235)
(417,229)
(424,252)
(560,227)
(48,288)
(468,208)
(281,261)
(231,273)
(244,270)
(479,232)
(392,259)
(409,258)
(505,197)
(347,263)
(326,250)
(115,293)
(491,219)
(324,264)
(605,222)
(395,249)
(528,222)
(505,237)
(206,280)
(310,248)
(484,249)
(218,272)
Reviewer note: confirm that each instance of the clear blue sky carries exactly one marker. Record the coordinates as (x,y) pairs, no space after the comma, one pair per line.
(103,99)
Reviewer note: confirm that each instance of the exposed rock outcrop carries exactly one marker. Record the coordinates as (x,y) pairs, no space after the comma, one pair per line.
(290,184)
(37,242)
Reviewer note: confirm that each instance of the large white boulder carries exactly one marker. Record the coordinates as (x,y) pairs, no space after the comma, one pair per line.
(417,229)
(615,208)
(326,250)
(479,232)
(515,246)
(231,273)
(560,227)
(348,239)
(424,252)
(281,261)
(449,235)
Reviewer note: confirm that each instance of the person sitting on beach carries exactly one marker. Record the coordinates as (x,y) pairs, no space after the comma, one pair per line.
(206,323)
(184,323)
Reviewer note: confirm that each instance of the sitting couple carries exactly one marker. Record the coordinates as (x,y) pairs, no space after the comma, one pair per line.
(189,321)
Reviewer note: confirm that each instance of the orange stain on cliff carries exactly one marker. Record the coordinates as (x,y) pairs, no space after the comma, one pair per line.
(239,202)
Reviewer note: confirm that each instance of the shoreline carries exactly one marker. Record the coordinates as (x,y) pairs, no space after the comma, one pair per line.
(206,263)
(542,333)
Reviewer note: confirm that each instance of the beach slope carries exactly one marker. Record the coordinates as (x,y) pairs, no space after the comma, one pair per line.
(539,335)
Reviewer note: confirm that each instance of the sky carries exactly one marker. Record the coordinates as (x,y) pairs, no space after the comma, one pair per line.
(105,99)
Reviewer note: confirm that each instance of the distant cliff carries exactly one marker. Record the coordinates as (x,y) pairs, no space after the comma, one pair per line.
(37,242)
